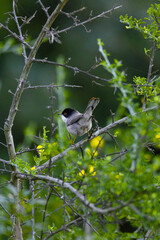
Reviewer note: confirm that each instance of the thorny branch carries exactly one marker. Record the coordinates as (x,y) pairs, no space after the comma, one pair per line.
(15,36)
(51,86)
(74,69)
(81,197)
(90,19)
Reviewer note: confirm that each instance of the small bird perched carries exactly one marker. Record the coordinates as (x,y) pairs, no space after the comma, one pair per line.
(79,123)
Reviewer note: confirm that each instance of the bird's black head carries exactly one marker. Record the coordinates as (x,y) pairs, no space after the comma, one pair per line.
(67,112)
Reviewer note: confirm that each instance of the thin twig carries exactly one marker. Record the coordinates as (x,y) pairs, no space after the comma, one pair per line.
(74,12)
(19,29)
(74,69)
(62,228)
(119,156)
(5,210)
(15,36)
(44,8)
(52,86)
(110,154)
(33,213)
(26,150)
(44,211)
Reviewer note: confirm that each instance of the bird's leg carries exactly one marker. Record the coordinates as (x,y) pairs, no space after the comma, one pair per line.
(88,134)
(74,140)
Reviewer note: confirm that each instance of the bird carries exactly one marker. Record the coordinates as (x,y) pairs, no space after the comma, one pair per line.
(77,123)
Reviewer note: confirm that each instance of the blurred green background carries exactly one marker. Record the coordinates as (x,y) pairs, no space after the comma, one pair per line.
(81,47)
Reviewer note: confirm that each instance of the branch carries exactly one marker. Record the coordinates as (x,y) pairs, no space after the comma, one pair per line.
(101,15)
(52,86)
(33,209)
(74,69)
(77,193)
(63,227)
(5,161)
(44,211)
(15,36)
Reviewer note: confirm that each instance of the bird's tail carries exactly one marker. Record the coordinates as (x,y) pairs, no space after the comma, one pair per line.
(91,106)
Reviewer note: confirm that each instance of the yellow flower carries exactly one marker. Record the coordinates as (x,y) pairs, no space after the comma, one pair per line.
(157,136)
(40,149)
(82,173)
(90,153)
(97,142)
(92,171)
(95,154)
(33,168)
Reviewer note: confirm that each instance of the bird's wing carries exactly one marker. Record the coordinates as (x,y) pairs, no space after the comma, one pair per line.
(74,119)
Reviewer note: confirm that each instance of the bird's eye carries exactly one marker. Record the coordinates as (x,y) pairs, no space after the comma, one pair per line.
(65,114)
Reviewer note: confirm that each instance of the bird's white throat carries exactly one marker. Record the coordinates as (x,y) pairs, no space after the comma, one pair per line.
(64,118)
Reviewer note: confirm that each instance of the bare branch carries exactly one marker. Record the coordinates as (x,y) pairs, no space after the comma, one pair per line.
(74,69)
(15,36)
(52,86)
(25,151)
(5,161)
(27,20)
(19,29)
(101,15)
